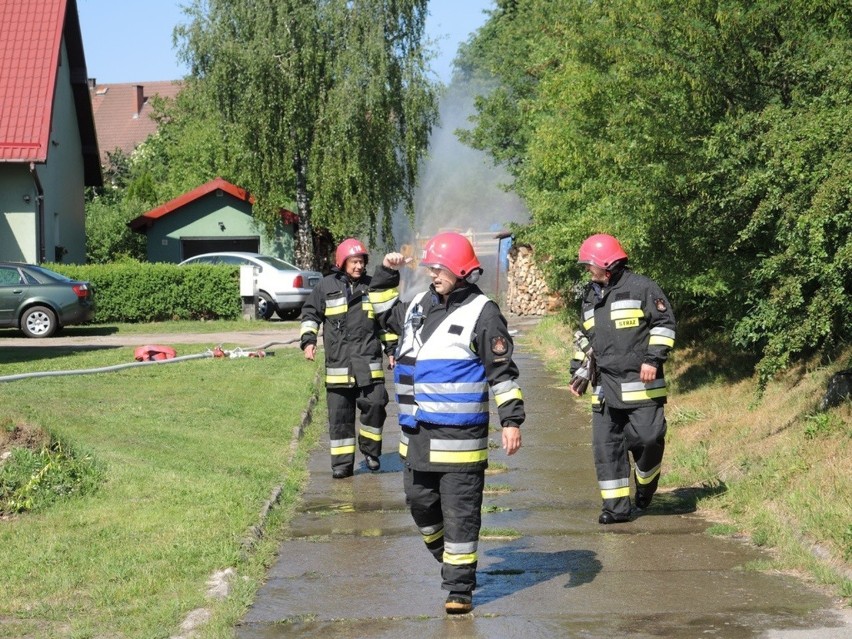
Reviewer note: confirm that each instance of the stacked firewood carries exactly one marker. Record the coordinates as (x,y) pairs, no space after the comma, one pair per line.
(528,293)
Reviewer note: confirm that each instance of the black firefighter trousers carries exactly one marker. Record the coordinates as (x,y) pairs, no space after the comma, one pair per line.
(371,402)
(641,431)
(447,510)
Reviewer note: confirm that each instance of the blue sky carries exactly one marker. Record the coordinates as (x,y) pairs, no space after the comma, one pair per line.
(132,41)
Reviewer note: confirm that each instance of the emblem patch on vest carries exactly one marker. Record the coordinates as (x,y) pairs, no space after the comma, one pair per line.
(660,303)
(499,345)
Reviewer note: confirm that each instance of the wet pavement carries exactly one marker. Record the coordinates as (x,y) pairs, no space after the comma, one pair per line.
(354,565)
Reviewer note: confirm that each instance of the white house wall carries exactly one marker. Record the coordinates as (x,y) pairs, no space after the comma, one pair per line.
(62,178)
(18,219)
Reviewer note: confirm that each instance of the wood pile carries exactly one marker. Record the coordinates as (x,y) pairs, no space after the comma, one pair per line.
(528,293)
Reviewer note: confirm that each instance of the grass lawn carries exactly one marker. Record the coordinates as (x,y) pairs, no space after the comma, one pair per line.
(187,454)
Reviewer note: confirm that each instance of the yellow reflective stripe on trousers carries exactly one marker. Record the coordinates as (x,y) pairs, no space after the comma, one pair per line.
(460,554)
(370,433)
(432,533)
(648,476)
(615,488)
(342,446)
(459,560)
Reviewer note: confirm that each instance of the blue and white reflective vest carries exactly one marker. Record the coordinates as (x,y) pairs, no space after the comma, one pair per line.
(442,381)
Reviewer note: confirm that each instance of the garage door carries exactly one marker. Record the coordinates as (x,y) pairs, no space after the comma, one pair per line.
(197,246)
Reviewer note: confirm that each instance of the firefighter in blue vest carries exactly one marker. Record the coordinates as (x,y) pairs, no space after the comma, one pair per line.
(454,345)
(349,312)
(628,328)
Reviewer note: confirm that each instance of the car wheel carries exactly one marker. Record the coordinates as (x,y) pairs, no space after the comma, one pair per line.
(265,306)
(39,321)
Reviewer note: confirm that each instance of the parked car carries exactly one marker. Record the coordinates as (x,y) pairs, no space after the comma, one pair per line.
(281,287)
(40,301)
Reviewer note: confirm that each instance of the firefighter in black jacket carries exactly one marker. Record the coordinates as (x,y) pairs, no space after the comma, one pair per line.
(630,329)
(453,346)
(354,343)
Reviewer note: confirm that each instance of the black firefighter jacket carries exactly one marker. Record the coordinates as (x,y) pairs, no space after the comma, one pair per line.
(353,339)
(628,323)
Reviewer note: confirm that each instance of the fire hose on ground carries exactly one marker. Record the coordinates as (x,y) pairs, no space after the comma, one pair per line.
(217,352)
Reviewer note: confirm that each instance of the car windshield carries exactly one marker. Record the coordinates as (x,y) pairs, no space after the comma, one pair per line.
(277,263)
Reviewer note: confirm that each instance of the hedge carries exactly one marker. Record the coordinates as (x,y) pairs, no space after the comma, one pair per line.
(144,292)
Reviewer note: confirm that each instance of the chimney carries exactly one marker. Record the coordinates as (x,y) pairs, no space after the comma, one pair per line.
(92,83)
(139,100)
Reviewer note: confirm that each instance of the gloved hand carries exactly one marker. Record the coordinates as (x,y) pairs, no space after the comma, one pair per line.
(587,371)
(580,380)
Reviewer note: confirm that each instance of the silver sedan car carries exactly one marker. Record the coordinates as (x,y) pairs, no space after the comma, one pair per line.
(281,287)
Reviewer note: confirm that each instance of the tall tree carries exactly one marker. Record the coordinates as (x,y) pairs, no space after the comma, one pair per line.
(711,136)
(329,100)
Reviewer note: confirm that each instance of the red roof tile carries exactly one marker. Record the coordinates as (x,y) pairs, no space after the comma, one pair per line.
(146,219)
(31,33)
(123,113)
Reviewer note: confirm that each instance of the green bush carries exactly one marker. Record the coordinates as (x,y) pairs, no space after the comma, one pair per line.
(133,291)
(31,480)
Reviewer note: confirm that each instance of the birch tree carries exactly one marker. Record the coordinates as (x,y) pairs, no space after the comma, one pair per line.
(329,101)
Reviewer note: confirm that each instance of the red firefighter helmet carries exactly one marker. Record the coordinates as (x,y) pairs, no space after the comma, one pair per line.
(453,252)
(601,250)
(348,248)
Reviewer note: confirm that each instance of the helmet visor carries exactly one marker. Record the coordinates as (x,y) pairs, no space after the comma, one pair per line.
(434,265)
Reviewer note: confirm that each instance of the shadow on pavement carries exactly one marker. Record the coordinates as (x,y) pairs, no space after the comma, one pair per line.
(520,567)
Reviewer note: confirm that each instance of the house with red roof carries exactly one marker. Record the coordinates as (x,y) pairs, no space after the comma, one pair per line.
(48,145)
(123,113)
(216,216)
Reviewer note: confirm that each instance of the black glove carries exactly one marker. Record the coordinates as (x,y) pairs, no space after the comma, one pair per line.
(580,381)
(587,371)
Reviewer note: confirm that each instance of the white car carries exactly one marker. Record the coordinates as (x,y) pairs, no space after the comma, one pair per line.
(281,287)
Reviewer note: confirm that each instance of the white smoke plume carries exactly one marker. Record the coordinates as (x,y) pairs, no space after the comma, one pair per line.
(460,190)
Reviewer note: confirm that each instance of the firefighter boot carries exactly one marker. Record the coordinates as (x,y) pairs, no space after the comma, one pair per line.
(459,603)
(342,472)
(643,498)
(373,463)
(610,518)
